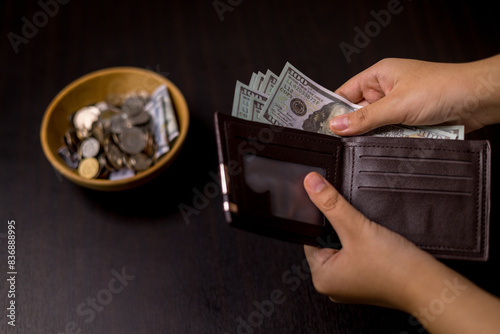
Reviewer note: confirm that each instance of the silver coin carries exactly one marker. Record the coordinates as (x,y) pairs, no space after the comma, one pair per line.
(107,114)
(132,140)
(118,124)
(140,162)
(98,131)
(133,106)
(141,119)
(90,147)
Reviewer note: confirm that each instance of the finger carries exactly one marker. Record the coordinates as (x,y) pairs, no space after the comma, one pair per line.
(344,218)
(317,256)
(365,86)
(352,89)
(382,112)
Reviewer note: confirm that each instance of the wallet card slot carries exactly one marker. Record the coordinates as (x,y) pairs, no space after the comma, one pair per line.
(410,159)
(407,182)
(418,218)
(427,193)
(416,166)
(452,177)
(416,190)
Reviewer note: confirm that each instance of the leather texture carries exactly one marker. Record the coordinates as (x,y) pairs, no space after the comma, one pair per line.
(436,193)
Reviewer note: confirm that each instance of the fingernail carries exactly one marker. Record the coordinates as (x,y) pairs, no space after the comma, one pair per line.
(315,182)
(339,123)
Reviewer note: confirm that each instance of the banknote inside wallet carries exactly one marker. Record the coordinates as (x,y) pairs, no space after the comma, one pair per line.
(436,193)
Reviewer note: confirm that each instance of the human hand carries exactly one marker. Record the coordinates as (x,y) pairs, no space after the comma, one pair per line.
(375,265)
(415,92)
(379,267)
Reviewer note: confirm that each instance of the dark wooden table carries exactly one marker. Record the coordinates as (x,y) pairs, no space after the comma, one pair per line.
(128,262)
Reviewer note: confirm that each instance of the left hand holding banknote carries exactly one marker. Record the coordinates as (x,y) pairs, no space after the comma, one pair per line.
(414,92)
(377,266)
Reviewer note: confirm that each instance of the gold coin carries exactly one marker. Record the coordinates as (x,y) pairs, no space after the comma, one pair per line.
(89,168)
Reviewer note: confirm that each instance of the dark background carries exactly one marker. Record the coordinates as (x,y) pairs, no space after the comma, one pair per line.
(199,276)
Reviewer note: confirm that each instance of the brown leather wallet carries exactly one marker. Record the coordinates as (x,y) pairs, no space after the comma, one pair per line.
(436,193)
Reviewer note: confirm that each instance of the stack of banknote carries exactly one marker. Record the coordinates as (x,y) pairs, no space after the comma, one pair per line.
(295,101)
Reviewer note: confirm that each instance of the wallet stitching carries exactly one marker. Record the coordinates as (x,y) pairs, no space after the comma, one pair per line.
(410,148)
(336,165)
(352,172)
(483,209)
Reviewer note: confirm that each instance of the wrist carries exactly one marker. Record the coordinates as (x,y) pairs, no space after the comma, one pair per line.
(483,82)
(429,284)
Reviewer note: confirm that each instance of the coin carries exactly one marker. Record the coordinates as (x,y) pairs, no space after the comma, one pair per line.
(132,140)
(89,147)
(107,114)
(133,106)
(105,167)
(71,140)
(98,131)
(142,118)
(88,168)
(113,155)
(119,123)
(140,162)
(122,127)
(150,148)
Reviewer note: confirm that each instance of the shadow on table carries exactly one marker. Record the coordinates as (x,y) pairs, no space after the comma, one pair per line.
(194,167)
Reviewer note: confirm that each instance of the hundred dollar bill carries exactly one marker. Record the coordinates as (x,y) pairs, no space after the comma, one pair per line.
(241,101)
(159,129)
(170,118)
(258,81)
(256,106)
(269,82)
(407,131)
(252,79)
(298,102)
(458,130)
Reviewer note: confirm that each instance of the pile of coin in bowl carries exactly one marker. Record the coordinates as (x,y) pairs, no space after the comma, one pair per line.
(121,136)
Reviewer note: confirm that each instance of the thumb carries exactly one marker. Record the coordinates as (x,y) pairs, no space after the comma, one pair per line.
(344,218)
(379,113)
